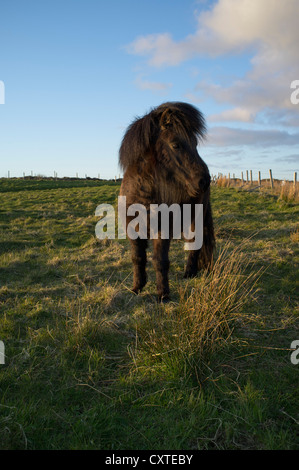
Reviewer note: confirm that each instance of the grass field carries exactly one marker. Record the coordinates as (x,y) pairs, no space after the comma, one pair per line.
(89,365)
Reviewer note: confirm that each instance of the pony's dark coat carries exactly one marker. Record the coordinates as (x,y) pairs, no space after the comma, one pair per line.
(161,165)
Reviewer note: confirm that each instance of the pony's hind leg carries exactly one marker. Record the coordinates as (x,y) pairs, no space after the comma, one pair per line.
(138,250)
(161,264)
(206,258)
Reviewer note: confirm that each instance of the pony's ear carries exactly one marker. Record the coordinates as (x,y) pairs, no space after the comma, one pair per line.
(166,119)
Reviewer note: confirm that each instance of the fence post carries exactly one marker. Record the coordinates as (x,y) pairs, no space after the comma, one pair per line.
(271,179)
(250,176)
(247,176)
(242,177)
(259,181)
(295,179)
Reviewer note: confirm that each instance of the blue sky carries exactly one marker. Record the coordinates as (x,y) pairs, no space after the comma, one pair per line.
(77,72)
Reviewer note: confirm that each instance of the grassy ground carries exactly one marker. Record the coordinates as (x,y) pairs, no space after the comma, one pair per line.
(89,365)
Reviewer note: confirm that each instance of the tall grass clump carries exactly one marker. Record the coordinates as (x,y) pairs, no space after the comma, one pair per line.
(289,192)
(223,182)
(184,339)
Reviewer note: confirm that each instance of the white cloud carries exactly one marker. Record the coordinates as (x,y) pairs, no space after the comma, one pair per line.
(235,114)
(231,26)
(231,137)
(249,97)
(268,29)
(290,159)
(152,86)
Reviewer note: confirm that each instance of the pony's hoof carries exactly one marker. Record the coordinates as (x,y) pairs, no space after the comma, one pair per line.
(190,274)
(163,299)
(136,290)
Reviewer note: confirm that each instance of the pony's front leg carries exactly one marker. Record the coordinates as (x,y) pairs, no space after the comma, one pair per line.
(161,264)
(138,251)
(192,264)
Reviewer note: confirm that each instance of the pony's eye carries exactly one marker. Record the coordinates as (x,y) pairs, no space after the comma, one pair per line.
(175,145)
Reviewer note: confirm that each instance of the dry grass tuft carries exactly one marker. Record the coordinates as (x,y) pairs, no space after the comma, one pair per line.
(295,235)
(289,192)
(223,182)
(183,338)
(285,190)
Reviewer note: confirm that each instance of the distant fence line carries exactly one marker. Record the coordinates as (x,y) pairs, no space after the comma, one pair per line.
(55,176)
(243,180)
(249,178)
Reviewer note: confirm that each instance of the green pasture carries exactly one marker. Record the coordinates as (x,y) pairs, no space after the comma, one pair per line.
(90,365)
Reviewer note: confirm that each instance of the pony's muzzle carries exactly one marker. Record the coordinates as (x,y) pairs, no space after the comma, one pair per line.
(204,183)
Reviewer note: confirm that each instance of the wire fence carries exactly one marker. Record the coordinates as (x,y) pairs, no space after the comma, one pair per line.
(286,189)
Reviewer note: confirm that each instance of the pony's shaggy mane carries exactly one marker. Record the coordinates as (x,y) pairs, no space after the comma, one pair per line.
(140,138)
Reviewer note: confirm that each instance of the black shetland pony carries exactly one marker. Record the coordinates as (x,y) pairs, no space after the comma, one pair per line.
(161,165)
